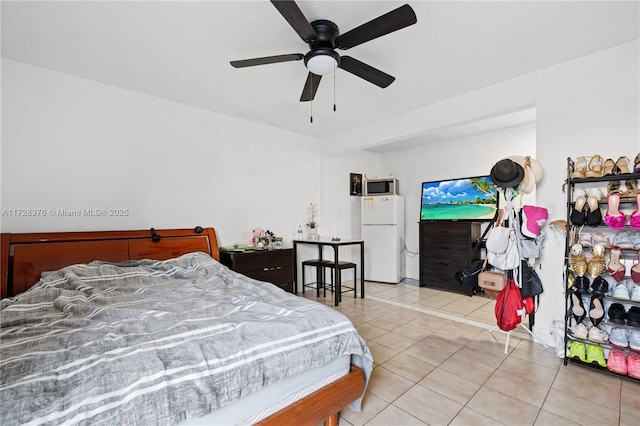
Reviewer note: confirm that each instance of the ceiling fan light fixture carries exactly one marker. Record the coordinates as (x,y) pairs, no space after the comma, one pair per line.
(321,61)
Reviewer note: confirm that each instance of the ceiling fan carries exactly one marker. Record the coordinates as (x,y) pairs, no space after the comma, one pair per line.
(323,38)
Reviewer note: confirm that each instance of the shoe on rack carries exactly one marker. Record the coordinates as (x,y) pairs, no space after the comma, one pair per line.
(624,240)
(581,284)
(609,167)
(634,218)
(596,354)
(578,311)
(596,309)
(580,168)
(615,266)
(594,215)
(614,217)
(635,293)
(631,189)
(595,167)
(621,291)
(597,263)
(623,166)
(599,287)
(578,350)
(577,262)
(613,187)
(586,239)
(579,211)
(619,337)
(598,335)
(633,316)
(602,239)
(579,331)
(633,366)
(617,362)
(617,314)
(636,165)
(634,340)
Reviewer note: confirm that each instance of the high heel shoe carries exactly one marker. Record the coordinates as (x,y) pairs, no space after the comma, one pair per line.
(597,263)
(613,187)
(580,169)
(623,166)
(578,214)
(636,165)
(609,167)
(615,267)
(614,217)
(634,218)
(577,308)
(594,215)
(632,189)
(594,168)
(635,269)
(596,310)
(577,262)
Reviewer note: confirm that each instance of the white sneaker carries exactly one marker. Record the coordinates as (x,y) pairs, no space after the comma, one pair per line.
(634,340)
(598,335)
(620,291)
(635,293)
(579,331)
(619,337)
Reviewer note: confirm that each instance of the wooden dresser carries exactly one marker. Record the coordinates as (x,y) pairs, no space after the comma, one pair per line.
(274,266)
(444,248)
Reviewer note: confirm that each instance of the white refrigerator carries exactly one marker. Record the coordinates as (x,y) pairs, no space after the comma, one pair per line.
(382,219)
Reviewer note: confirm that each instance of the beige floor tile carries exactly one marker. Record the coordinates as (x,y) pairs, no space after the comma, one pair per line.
(536,354)
(380,352)
(387,384)
(438,411)
(394,341)
(519,367)
(450,385)
(413,331)
(427,353)
(546,418)
(522,389)
(581,386)
(393,415)
(629,401)
(408,367)
(503,408)
(468,417)
(579,410)
(372,404)
(443,342)
(475,370)
(369,331)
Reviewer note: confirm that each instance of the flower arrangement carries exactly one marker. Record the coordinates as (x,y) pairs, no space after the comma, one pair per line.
(312,212)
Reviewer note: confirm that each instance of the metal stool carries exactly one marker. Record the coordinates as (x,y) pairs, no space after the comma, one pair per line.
(317,263)
(342,265)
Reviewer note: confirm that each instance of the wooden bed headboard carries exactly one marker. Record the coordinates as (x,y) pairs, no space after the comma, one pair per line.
(26,256)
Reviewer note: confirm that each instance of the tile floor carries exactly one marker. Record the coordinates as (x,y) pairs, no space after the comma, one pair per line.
(436,364)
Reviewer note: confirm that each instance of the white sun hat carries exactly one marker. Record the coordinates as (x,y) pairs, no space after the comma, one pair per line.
(532,172)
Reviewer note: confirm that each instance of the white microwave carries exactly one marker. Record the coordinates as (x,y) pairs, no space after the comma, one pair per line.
(385,186)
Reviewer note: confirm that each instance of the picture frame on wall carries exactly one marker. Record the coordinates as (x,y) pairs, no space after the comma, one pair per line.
(355,184)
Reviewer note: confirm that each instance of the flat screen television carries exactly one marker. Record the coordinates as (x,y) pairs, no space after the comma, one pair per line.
(466,199)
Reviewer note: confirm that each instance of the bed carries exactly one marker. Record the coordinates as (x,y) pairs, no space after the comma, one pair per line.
(157,331)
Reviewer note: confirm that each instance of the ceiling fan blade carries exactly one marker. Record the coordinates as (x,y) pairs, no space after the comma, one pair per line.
(382,25)
(294,16)
(267,60)
(310,87)
(365,71)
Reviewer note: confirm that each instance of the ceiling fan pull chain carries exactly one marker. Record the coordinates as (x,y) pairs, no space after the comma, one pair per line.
(311,113)
(334,89)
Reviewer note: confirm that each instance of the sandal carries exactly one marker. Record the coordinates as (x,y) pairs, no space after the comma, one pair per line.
(634,218)
(594,215)
(597,264)
(623,166)
(632,188)
(580,168)
(615,218)
(636,165)
(635,269)
(609,167)
(596,310)
(613,187)
(578,264)
(615,267)
(578,214)
(594,168)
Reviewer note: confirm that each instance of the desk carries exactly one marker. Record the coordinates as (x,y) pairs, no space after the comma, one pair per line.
(327,242)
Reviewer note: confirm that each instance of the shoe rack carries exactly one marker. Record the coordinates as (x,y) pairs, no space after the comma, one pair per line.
(591,272)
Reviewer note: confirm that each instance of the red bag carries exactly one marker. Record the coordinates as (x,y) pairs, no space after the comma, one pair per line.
(509,309)
(529,304)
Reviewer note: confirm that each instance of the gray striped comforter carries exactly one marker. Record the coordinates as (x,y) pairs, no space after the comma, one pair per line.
(156,342)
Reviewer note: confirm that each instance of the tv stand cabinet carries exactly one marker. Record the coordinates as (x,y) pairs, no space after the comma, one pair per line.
(445,247)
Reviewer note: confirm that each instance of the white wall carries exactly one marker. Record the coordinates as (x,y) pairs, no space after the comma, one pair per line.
(69,143)
(586,106)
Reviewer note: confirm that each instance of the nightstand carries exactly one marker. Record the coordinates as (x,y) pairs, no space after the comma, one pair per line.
(274,266)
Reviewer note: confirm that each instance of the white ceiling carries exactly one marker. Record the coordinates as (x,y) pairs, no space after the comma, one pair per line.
(181,50)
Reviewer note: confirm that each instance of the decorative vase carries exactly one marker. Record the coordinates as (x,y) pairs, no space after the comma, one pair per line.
(312,233)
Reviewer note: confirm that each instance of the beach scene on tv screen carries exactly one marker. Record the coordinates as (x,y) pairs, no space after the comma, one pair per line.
(459,199)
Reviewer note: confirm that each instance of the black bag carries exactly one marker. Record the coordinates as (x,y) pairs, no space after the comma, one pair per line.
(468,276)
(531,285)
